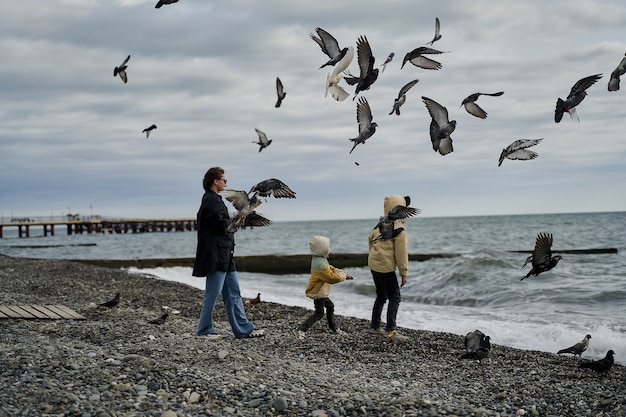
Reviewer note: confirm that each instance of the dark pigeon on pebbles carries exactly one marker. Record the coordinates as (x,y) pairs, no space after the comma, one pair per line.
(364,119)
(574,98)
(329,46)
(578,348)
(517,150)
(474,109)
(477,346)
(401,99)
(111,303)
(417,58)
(280,92)
(617,72)
(121,70)
(601,365)
(542,259)
(440,127)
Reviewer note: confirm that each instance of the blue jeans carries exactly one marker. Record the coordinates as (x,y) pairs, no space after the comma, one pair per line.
(227,284)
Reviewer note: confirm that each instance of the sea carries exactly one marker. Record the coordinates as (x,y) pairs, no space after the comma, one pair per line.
(480,288)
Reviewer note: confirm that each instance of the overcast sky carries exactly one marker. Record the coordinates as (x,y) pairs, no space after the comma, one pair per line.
(204,72)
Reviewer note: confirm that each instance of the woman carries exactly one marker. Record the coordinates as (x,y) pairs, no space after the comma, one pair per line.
(214,260)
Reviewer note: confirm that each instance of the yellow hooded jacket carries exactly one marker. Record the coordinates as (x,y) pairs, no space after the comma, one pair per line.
(322,273)
(387,255)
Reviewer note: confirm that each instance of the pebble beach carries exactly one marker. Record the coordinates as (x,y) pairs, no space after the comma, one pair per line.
(115,363)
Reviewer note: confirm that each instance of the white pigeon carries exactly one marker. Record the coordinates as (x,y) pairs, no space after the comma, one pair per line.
(517,150)
(336,75)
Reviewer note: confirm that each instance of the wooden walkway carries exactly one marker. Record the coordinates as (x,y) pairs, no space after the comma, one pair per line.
(48,312)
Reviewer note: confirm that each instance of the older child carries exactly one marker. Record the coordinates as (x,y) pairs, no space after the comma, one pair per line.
(323,275)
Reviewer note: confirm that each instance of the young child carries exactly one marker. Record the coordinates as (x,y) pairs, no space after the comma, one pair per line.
(323,275)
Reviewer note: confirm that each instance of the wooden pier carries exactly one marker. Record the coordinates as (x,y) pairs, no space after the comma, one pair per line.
(99,225)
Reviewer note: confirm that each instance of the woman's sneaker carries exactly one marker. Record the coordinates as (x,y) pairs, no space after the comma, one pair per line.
(395,337)
(378,331)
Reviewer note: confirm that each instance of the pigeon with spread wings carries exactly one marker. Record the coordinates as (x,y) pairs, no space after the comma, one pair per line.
(364,119)
(149,129)
(474,109)
(386,225)
(401,99)
(437,34)
(247,202)
(542,260)
(417,58)
(574,98)
(121,70)
(367,73)
(329,46)
(336,75)
(517,150)
(263,141)
(440,127)
(162,2)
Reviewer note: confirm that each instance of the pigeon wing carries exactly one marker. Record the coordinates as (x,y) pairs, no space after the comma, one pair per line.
(543,249)
(407,87)
(522,154)
(583,84)
(364,57)
(253,219)
(238,198)
(425,63)
(475,110)
(273,187)
(436,111)
(263,141)
(327,42)
(401,212)
(363,115)
(280,92)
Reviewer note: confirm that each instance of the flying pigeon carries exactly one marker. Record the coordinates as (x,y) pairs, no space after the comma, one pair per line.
(398,102)
(575,97)
(477,346)
(417,58)
(578,348)
(440,127)
(617,72)
(367,73)
(601,365)
(336,75)
(263,141)
(121,70)
(388,60)
(517,150)
(162,2)
(364,120)
(247,202)
(474,109)
(159,320)
(329,46)
(280,92)
(437,35)
(385,224)
(149,129)
(542,256)
(111,303)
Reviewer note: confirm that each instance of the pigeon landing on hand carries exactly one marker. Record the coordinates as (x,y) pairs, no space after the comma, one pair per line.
(159,320)
(162,2)
(617,72)
(121,70)
(575,97)
(149,129)
(417,58)
(578,348)
(474,109)
(364,120)
(111,303)
(398,102)
(263,141)
(280,92)
(602,365)
(437,35)
(367,73)
(440,127)
(336,75)
(542,260)
(477,346)
(517,150)
(329,46)
(386,223)
(387,61)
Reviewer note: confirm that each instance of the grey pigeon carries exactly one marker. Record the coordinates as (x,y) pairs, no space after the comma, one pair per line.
(401,99)
(159,320)
(247,202)
(336,75)
(280,92)
(474,109)
(440,127)
(417,58)
(477,346)
(329,46)
(387,61)
(575,97)
(542,260)
(617,72)
(437,35)
(162,2)
(601,365)
(578,348)
(149,129)
(112,302)
(364,119)
(386,223)
(263,141)
(517,150)
(367,73)
(121,70)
